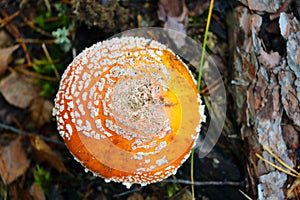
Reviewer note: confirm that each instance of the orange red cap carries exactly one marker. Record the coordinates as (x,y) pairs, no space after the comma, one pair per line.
(128,110)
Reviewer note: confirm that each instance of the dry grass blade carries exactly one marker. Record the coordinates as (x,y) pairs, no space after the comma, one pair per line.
(31,24)
(50,61)
(292,172)
(245,195)
(282,162)
(13,30)
(36,75)
(34,41)
(211,88)
(292,191)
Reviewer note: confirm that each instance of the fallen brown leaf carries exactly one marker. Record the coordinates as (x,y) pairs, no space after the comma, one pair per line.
(175,15)
(9,114)
(36,192)
(5,39)
(18,91)
(198,7)
(46,152)
(5,55)
(16,192)
(41,111)
(13,161)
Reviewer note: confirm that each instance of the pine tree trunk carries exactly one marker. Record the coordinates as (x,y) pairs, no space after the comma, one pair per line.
(265,85)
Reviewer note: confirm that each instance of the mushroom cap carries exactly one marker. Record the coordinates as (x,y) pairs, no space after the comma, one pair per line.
(128,110)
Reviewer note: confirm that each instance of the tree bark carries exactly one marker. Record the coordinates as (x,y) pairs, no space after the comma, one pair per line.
(265,85)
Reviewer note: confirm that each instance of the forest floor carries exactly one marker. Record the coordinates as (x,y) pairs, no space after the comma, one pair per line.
(38,39)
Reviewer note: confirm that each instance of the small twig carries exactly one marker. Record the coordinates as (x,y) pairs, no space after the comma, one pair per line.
(187,182)
(12,129)
(128,192)
(205,183)
(21,132)
(281,161)
(6,20)
(37,62)
(275,166)
(212,87)
(58,18)
(50,60)
(69,2)
(37,29)
(48,6)
(292,172)
(36,75)
(39,41)
(13,30)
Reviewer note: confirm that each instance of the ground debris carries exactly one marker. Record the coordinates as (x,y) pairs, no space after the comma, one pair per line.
(174,14)
(5,57)
(108,15)
(37,192)
(13,161)
(18,91)
(41,111)
(45,152)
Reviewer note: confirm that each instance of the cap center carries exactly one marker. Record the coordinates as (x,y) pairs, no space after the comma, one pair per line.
(136,104)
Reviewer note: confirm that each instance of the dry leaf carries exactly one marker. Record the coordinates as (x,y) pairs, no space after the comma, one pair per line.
(175,15)
(197,8)
(18,91)
(5,55)
(10,114)
(46,152)
(5,39)
(41,111)
(13,161)
(37,192)
(16,192)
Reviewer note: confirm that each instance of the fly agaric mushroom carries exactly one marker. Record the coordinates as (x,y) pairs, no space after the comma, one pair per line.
(128,110)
